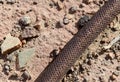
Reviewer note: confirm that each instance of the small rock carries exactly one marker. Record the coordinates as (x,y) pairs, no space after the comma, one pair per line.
(7,69)
(35,2)
(111,56)
(54,53)
(39,25)
(14,76)
(83,21)
(113,77)
(73,9)
(102,79)
(26,75)
(24,56)
(60,24)
(81,6)
(60,5)
(24,42)
(83,67)
(11,57)
(10,44)
(116,73)
(89,55)
(118,68)
(99,2)
(2,1)
(51,4)
(90,62)
(26,20)
(11,1)
(29,32)
(87,1)
(66,21)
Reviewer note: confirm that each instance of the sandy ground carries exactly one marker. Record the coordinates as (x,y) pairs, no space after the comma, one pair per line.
(96,64)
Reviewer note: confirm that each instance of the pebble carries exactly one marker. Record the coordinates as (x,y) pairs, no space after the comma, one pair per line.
(81,6)
(83,20)
(54,53)
(66,21)
(102,79)
(111,56)
(60,24)
(25,20)
(83,67)
(118,68)
(11,58)
(26,75)
(24,42)
(7,68)
(11,1)
(113,77)
(90,62)
(14,76)
(60,5)
(51,4)
(73,9)
(87,1)
(116,73)
(2,1)
(39,25)
(99,2)
(35,2)
(89,55)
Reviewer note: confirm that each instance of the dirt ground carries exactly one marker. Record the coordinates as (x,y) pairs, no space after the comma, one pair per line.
(58,21)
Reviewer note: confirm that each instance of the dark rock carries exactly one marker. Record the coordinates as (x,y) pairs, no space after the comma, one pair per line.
(26,75)
(11,1)
(86,2)
(118,68)
(113,77)
(73,9)
(2,1)
(83,21)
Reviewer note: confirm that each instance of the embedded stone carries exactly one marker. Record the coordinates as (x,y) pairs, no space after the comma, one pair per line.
(10,44)
(24,56)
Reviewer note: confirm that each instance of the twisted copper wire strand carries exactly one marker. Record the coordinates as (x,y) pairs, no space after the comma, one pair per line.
(77,45)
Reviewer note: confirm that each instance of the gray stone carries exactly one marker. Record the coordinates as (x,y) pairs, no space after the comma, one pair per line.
(2,1)
(11,57)
(65,20)
(24,56)
(26,20)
